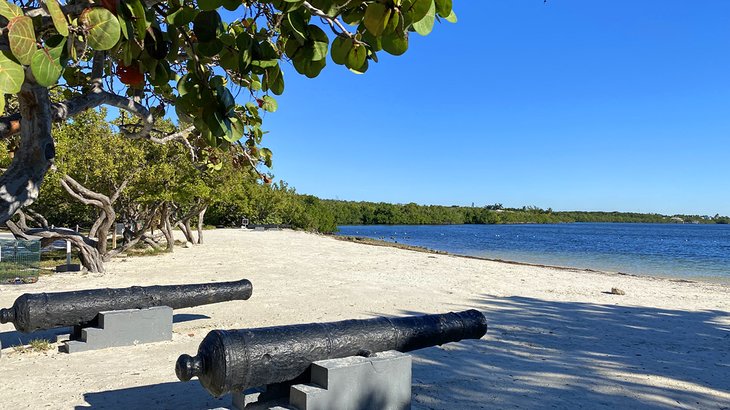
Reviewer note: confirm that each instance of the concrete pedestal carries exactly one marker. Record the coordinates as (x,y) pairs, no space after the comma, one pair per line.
(123,328)
(378,382)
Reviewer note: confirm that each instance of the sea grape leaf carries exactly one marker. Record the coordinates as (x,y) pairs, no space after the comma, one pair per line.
(21,37)
(11,75)
(451,18)
(396,43)
(340,49)
(444,7)
(58,17)
(206,24)
(137,9)
(376,18)
(103,30)
(46,64)
(424,26)
(356,57)
(269,104)
(415,10)
(9,10)
(208,5)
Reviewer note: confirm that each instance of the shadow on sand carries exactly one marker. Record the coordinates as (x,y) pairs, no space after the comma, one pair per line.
(543,354)
(15,338)
(173,395)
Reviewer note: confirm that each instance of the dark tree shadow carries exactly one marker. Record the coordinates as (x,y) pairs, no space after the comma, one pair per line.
(543,354)
(173,395)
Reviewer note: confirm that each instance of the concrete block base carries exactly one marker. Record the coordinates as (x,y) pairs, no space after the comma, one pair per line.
(123,328)
(381,381)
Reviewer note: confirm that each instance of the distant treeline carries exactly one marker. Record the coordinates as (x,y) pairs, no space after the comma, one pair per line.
(370,213)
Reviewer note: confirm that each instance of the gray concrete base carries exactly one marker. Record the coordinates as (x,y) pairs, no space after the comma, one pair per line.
(382,381)
(124,328)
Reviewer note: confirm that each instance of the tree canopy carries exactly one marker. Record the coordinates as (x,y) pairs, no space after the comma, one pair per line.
(151,57)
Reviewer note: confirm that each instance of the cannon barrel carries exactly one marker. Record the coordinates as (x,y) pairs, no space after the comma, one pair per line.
(32,312)
(235,360)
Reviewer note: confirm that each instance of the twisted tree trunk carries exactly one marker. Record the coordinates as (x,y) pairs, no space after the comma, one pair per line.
(20,184)
(201,216)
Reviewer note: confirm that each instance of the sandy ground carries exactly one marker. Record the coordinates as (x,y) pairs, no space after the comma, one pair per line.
(556,339)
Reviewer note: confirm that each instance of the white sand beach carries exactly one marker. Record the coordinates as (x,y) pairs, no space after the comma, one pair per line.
(556,338)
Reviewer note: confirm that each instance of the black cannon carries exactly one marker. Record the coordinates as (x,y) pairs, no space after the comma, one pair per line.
(32,312)
(235,360)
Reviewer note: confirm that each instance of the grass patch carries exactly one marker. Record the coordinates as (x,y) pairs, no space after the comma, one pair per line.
(146,251)
(35,345)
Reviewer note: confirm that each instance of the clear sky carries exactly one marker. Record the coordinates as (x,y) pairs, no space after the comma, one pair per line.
(574,104)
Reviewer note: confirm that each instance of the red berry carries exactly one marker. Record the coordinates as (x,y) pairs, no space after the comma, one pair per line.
(129,75)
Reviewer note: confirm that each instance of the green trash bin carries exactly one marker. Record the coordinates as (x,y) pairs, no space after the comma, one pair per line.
(20,260)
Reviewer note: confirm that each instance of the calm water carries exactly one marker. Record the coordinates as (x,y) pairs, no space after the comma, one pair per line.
(684,251)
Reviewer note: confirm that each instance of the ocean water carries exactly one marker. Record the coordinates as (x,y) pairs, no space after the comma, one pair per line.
(669,250)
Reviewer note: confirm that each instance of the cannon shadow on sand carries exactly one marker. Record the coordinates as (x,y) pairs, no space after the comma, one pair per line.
(15,338)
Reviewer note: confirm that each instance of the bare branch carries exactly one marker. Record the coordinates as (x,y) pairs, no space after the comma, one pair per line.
(334,23)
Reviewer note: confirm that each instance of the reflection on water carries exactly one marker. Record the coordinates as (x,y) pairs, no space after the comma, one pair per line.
(676,250)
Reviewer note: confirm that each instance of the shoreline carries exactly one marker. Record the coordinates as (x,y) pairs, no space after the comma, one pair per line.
(364,240)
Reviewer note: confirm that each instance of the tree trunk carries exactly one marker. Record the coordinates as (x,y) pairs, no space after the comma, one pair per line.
(90,258)
(166,227)
(20,184)
(201,216)
(184,226)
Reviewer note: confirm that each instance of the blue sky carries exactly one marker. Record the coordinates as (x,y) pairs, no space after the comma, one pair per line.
(573,104)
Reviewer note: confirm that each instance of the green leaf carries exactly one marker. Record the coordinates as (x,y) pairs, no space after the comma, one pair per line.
(308,67)
(21,37)
(231,5)
(9,10)
(415,10)
(297,24)
(161,75)
(376,18)
(396,43)
(11,75)
(234,129)
(209,49)
(425,25)
(451,18)
(340,49)
(102,27)
(182,16)
(319,43)
(444,7)
(139,14)
(206,25)
(58,16)
(356,57)
(2,104)
(361,69)
(208,5)
(269,104)
(46,65)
